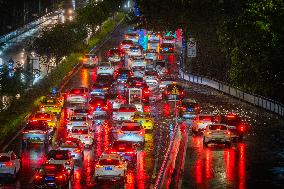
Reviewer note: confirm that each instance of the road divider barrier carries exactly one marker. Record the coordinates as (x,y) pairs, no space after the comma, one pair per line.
(256,100)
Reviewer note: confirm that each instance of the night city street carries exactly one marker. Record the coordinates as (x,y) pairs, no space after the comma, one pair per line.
(142,95)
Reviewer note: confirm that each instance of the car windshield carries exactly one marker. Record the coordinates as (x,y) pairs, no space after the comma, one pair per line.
(82,111)
(114,51)
(217,127)
(168,78)
(104,78)
(124,42)
(104,64)
(109,161)
(69,144)
(51,169)
(77,91)
(167,45)
(123,71)
(132,35)
(138,68)
(76,118)
(58,155)
(131,128)
(80,130)
(127,109)
(230,120)
(4,158)
(36,127)
(189,104)
(206,118)
(161,63)
(42,116)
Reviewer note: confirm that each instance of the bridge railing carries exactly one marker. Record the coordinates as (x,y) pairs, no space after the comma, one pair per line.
(7,37)
(257,100)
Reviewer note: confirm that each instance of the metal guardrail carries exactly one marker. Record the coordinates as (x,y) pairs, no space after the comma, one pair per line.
(7,37)
(257,100)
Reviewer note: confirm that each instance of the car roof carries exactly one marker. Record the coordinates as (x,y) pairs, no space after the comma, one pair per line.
(109,155)
(189,100)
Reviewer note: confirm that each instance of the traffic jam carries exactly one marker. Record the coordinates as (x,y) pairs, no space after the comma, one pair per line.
(112,125)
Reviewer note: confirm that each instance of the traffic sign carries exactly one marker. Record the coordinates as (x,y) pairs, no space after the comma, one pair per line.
(175,91)
(191,48)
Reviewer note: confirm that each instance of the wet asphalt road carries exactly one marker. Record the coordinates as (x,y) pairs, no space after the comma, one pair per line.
(256,162)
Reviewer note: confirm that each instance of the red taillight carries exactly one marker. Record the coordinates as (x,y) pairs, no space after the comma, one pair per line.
(38,177)
(208,132)
(183,108)
(98,166)
(67,163)
(55,106)
(43,132)
(242,128)
(141,133)
(228,133)
(60,177)
(119,166)
(9,164)
(146,92)
(129,152)
(77,151)
(85,95)
(88,136)
(46,162)
(120,132)
(25,132)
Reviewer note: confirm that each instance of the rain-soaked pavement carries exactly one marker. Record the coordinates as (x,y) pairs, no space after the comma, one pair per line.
(255,162)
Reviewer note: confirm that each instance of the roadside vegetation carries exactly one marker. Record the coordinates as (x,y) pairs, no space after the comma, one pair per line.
(239,42)
(67,54)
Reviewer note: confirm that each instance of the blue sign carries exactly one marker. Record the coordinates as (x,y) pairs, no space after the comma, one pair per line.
(53,90)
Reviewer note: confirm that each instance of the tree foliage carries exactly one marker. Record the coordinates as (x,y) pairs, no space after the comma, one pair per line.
(241,42)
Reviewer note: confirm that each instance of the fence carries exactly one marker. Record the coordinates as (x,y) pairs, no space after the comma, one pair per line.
(27,27)
(265,103)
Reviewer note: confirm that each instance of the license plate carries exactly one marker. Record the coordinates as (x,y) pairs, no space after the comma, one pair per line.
(49,178)
(108,168)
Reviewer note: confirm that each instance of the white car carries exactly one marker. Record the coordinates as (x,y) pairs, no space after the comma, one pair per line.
(138,71)
(200,122)
(90,60)
(77,120)
(78,95)
(151,54)
(166,80)
(10,164)
(153,84)
(135,51)
(217,133)
(168,39)
(125,45)
(105,68)
(114,55)
(83,134)
(136,61)
(134,37)
(154,37)
(125,112)
(63,157)
(131,131)
(110,167)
